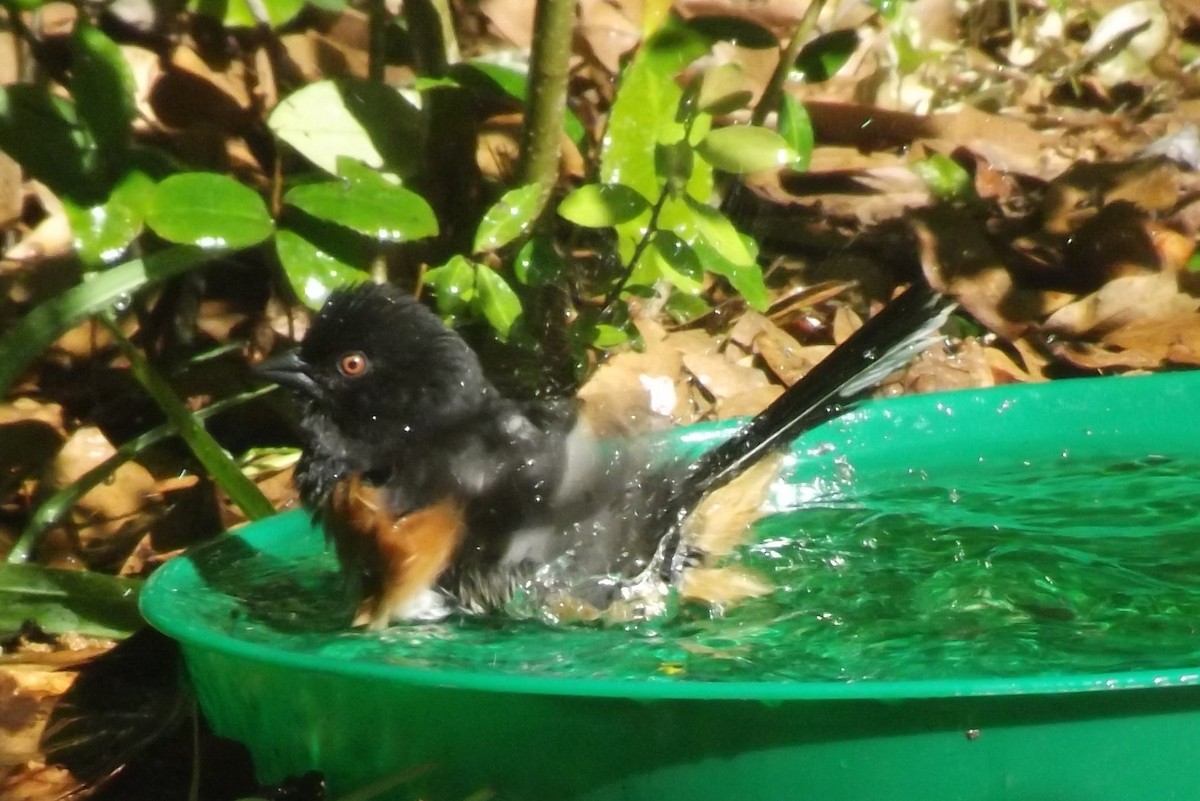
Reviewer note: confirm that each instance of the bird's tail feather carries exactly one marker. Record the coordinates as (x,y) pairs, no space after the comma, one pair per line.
(884,344)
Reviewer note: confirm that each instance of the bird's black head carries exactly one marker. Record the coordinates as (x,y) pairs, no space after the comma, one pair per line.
(379,370)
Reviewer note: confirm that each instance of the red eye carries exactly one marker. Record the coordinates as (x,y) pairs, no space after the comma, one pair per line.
(353,364)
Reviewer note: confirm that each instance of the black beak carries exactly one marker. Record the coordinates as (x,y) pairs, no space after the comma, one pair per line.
(289,370)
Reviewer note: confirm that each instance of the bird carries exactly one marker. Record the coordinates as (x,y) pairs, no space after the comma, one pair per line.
(441,496)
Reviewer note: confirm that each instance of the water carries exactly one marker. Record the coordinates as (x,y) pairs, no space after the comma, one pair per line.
(1065,569)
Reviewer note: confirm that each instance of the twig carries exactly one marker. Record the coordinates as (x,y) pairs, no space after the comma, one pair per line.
(549,70)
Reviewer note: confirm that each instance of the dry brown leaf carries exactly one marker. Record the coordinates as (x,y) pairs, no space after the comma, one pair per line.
(110,515)
(1005,369)
(720,377)
(783,355)
(845,322)
(31,433)
(943,368)
(512,19)
(1120,302)
(635,392)
(608,30)
(50,239)
(747,403)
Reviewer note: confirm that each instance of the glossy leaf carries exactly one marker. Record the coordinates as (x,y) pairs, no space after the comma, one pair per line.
(538,263)
(945,177)
(103,87)
(745,278)
(740,31)
(381,211)
(741,149)
(677,262)
(821,58)
(796,128)
(311,272)
(643,113)
(684,308)
(497,301)
(602,205)
(240,13)
(453,285)
(103,232)
(43,134)
(208,210)
(718,231)
(68,601)
(363,120)
(510,217)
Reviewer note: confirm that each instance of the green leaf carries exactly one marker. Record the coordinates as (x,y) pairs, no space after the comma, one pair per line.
(376,209)
(716,229)
(643,115)
(65,601)
(500,305)
(677,262)
(363,120)
(103,232)
(796,128)
(603,205)
(740,31)
(453,285)
(103,87)
(311,272)
(43,134)
(944,176)
(26,340)
(539,263)
(821,58)
(208,210)
(510,217)
(240,14)
(490,79)
(741,149)
(746,279)
(684,308)
(723,89)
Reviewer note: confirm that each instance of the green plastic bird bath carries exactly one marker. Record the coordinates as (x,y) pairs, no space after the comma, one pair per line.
(733,709)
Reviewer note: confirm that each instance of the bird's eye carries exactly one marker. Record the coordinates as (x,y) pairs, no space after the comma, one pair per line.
(352,364)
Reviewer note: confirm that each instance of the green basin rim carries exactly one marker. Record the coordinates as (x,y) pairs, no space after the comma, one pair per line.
(160,606)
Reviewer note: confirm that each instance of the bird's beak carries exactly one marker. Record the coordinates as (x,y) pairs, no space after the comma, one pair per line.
(291,371)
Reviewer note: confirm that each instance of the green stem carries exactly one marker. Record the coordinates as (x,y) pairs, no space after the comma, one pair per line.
(53,508)
(640,248)
(25,341)
(221,468)
(549,70)
(770,97)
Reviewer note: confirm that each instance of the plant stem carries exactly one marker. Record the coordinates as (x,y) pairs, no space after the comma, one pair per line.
(614,294)
(53,508)
(770,97)
(221,468)
(549,70)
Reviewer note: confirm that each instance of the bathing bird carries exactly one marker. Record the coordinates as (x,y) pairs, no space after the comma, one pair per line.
(442,496)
